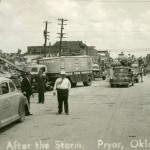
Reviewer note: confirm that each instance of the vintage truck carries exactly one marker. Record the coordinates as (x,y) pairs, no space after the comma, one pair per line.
(77,68)
(97,71)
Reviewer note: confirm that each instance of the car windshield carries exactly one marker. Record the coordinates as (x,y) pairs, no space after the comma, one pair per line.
(34,69)
(95,67)
(135,65)
(121,70)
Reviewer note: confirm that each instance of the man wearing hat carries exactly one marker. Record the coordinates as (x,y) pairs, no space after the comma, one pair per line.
(63,86)
(26,87)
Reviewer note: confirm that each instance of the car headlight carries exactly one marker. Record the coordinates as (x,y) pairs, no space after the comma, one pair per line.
(126,78)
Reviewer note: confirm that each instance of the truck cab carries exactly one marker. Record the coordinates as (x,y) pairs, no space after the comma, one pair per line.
(96,71)
(34,70)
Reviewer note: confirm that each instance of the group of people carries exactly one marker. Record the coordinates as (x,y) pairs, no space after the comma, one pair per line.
(61,88)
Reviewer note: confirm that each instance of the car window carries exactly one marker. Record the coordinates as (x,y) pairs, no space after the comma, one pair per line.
(121,70)
(34,69)
(12,87)
(4,88)
(95,67)
(43,69)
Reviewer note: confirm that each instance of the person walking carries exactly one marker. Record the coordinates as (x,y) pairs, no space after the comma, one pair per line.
(141,73)
(41,81)
(63,86)
(26,88)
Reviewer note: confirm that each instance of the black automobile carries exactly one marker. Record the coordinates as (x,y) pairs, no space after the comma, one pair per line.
(122,76)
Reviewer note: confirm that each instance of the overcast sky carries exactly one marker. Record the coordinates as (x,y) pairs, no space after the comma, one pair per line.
(112,25)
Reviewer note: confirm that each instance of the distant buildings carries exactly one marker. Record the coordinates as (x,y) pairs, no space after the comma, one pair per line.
(68,48)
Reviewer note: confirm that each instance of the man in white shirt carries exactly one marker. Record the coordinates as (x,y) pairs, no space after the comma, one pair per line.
(63,86)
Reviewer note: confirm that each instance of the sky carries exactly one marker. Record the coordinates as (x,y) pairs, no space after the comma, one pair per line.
(113,25)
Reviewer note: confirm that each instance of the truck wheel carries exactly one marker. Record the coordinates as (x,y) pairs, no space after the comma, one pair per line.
(137,80)
(103,77)
(21,113)
(73,84)
(88,82)
(112,85)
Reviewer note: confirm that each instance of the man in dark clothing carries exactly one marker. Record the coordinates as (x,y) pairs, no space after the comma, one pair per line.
(131,75)
(141,73)
(26,87)
(41,81)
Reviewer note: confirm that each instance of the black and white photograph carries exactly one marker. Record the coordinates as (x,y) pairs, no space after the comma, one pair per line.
(74,74)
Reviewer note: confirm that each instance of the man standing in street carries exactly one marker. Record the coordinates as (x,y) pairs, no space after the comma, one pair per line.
(26,88)
(141,73)
(63,86)
(41,82)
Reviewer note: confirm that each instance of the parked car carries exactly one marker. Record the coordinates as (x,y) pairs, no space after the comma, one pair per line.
(13,104)
(122,76)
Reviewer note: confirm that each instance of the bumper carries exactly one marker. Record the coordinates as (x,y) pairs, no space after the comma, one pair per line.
(119,82)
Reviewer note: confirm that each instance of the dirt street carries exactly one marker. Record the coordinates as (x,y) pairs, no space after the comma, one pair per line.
(100,118)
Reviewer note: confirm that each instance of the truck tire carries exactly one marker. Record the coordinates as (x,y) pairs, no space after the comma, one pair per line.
(103,77)
(73,84)
(88,82)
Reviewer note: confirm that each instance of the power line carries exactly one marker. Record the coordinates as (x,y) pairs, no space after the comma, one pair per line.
(53,14)
(45,10)
(38,13)
(36,9)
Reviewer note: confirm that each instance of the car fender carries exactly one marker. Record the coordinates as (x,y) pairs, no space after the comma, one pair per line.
(23,102)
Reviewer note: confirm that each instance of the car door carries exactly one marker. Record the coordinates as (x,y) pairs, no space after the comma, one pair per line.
(14,100)
(5,105)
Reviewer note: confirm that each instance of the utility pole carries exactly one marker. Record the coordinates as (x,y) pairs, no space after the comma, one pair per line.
(86,51)
(45,37)
(61,33)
